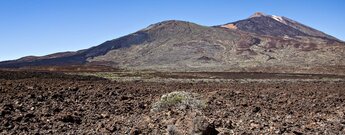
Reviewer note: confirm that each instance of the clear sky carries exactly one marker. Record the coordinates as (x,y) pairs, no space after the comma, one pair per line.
(40,27)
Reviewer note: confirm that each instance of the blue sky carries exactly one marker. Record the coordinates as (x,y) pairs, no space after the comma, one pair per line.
(40,27)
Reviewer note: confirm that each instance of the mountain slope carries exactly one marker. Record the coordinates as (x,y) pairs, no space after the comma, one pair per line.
(261,41)
(79,57)
(174,43)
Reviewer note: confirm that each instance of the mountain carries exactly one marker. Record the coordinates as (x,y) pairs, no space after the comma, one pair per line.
(278,26)
(259,43)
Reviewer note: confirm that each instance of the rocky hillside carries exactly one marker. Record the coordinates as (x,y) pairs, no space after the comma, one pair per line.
(260,42)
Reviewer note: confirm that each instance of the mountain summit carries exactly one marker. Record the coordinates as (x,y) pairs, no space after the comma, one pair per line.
(259,42)
(278,26)
(257,14)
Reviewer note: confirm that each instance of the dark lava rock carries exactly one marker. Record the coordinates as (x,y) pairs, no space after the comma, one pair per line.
(210,130)
(256,109)
(297,133)
(28,117)
(71,119)
(9,125)
(8,107)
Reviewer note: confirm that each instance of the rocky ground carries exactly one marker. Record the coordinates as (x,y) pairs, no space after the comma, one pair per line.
(53,103)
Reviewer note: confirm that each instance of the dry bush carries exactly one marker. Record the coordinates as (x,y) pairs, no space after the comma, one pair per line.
(179,100)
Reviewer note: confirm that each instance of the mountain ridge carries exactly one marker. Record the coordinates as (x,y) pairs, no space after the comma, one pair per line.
(258,41)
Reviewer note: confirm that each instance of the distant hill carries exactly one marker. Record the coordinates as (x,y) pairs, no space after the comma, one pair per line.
(266,43)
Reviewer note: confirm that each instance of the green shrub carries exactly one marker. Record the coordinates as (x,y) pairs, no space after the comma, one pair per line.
(179,100)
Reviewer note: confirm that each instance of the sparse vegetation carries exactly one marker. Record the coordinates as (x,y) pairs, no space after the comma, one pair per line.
(171,129)
(179,100)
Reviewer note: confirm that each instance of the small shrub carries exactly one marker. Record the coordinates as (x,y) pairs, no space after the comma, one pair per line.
(171,129)
(180,100)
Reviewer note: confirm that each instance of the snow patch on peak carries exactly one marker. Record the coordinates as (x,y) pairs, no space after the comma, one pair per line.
(279,19)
